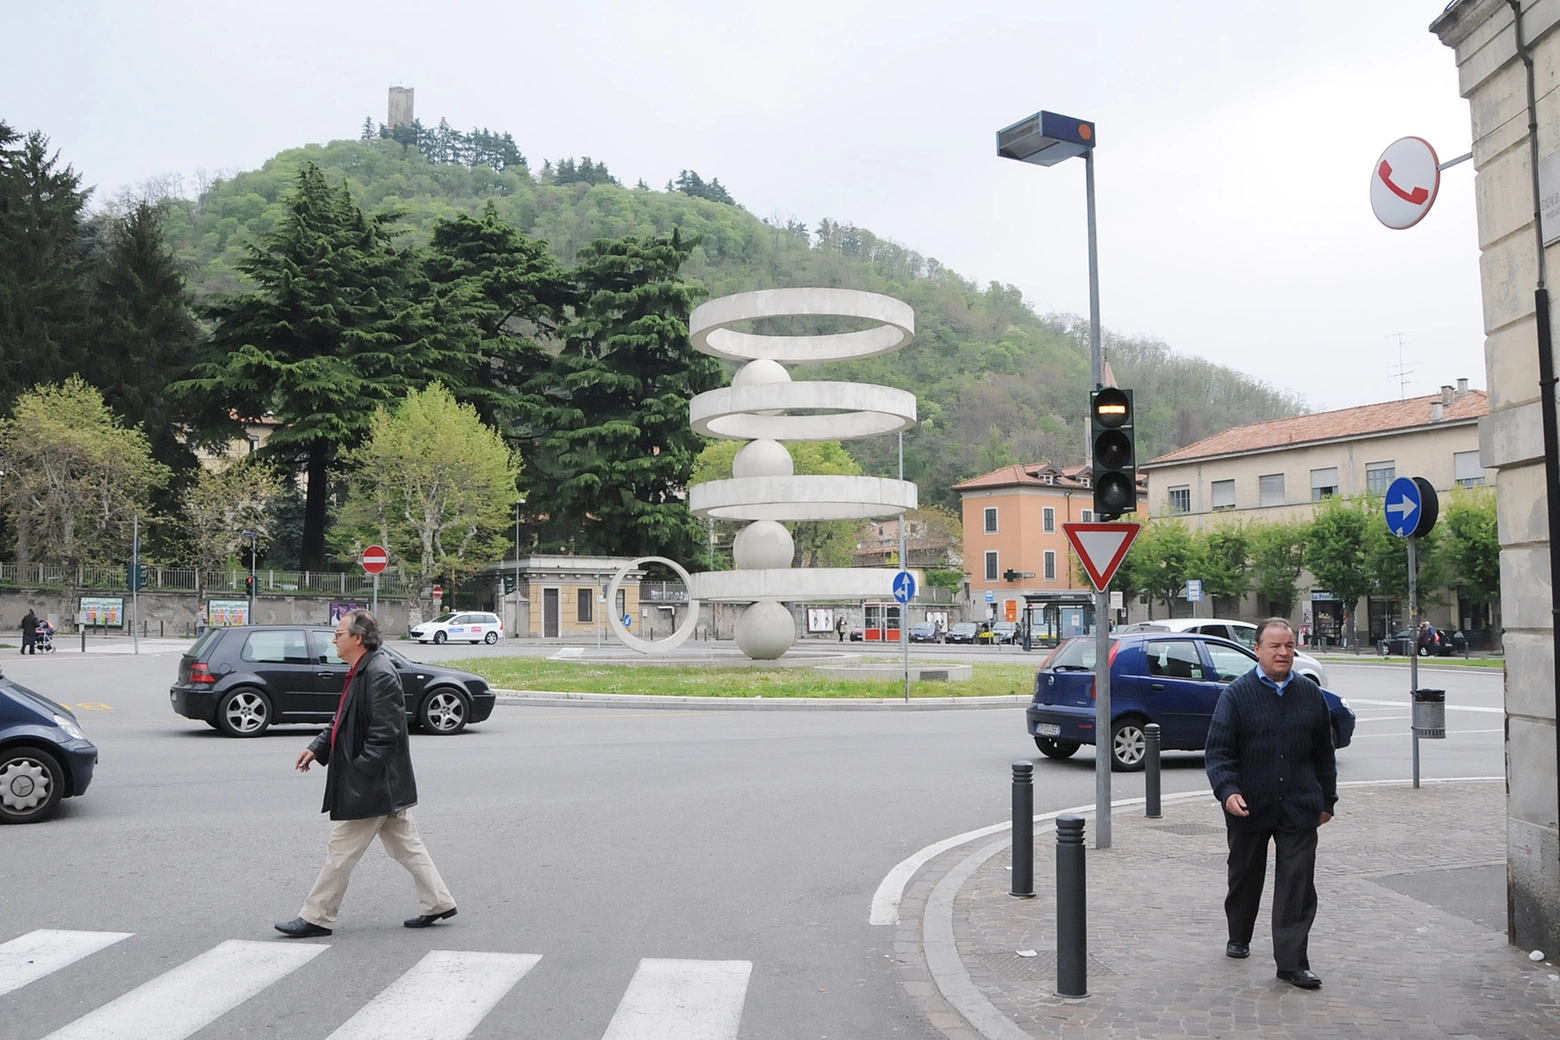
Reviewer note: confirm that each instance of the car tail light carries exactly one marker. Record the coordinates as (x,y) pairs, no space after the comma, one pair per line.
(201,673)
(1093,686)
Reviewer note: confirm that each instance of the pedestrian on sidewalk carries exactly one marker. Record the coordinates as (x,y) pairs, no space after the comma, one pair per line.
(30,633)
(1270,763)
(839,626)
(369,786)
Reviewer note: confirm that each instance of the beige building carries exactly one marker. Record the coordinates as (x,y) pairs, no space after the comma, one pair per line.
(1279,470)
(1501,64)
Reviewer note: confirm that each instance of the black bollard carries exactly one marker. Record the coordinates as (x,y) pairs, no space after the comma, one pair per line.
(1023,830)
(1151,770)
(1072,918)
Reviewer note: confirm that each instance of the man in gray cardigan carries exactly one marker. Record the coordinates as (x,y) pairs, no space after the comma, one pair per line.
(369,786)
(1270,763)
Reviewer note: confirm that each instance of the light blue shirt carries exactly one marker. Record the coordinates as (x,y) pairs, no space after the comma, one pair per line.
(1272,684)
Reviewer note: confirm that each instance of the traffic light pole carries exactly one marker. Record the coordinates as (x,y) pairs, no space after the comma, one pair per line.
(135,584)
(1103,737)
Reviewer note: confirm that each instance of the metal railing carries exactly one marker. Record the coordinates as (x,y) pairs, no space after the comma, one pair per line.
(177,579)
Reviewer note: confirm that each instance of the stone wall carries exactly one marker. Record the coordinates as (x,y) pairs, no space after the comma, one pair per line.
(1494,80)
(176,615)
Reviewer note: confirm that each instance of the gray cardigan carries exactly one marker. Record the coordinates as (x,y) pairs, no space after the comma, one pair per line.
(1275,751)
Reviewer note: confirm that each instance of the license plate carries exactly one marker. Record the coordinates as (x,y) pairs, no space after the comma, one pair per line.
(1047,729)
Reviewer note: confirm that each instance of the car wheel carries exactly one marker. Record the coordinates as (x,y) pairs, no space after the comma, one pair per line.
(1128,745)
(443,712)
(490,638)
(1424,651)
(439,637)
(244,712)
(1056,748)
(31,785)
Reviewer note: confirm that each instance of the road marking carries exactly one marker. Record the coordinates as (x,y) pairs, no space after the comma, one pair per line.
(47,950)
(444,996)
(191,996)
(682,1000)
(1405,704)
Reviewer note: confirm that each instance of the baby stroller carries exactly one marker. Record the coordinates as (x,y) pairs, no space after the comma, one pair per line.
(45,642)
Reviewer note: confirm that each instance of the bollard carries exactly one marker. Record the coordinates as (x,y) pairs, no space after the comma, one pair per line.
(1072,937)
(83,638)
(1151,770)
(1023,830)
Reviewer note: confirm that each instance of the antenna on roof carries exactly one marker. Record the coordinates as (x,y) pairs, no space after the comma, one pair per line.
(1403,371)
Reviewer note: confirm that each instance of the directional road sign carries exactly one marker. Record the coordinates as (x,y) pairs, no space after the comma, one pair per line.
(1101,547)
(991,597)
(375,558)
(904,586)
(1194,590)
(1412,507)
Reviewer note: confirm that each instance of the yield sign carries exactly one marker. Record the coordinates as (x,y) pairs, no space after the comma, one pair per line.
(1101,547)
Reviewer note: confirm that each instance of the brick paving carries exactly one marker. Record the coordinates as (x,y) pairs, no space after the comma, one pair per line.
(1393,967)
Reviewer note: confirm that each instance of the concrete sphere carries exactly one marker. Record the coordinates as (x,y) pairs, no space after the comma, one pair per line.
(763,545)
(761,370)
(763,458)
(765,630)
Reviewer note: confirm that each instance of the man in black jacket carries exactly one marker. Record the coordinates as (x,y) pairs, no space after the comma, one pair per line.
(1270,763)
(30,633)
(369,786)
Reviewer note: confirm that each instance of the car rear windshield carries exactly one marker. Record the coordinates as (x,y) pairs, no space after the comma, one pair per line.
(1075,655)
(204,644)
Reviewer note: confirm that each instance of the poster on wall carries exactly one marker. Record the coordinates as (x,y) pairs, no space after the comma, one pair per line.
(820,619)
(103,610)
(341,610)
(227,613)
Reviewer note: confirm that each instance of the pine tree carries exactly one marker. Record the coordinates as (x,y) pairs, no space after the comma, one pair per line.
(614,450)
(328,333)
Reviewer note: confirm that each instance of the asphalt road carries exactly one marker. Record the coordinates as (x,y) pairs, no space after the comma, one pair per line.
(593,837)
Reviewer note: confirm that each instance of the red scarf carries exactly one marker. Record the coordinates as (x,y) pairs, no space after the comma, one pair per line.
(341,707)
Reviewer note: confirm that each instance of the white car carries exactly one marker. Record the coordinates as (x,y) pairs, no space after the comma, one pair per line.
(1242,632)
(470,625)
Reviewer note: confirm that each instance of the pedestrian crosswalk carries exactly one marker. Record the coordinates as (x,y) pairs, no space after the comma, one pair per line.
(443,996)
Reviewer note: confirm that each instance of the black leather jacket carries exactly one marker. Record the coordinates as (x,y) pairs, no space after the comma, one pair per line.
(370,771)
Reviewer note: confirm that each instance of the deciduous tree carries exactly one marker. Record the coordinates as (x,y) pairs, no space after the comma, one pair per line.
(1336,553)
(227,507)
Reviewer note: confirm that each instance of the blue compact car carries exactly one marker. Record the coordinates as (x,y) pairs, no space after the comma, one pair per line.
(1168,678)
(44,755)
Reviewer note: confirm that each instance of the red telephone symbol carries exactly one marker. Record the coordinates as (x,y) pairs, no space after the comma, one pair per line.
(1415,197)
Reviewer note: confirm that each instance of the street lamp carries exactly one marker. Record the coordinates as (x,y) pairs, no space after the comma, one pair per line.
(1045,139)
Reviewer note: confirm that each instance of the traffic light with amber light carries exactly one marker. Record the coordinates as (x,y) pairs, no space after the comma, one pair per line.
(1114,451)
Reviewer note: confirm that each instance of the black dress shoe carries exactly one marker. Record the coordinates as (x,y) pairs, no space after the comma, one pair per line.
(1302,977)
(298,928)
(424,920)
(1240,951)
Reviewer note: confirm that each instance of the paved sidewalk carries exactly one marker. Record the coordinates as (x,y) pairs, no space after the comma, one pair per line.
(1409,940)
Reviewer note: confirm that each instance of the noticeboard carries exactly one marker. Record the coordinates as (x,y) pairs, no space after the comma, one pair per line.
(227,613)
(100,611)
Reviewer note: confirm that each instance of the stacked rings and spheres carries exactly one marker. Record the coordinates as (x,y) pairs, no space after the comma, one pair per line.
(765,407)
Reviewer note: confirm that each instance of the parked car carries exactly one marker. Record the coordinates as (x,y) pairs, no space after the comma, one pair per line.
(1169,678)
(1242,632)
(470,626)
(923,632)
(963,632)
(858,635)
(241,681)
(998,632)
(1406,643)
(44,755)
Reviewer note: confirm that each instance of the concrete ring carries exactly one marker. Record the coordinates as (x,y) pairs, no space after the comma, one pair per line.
(810,497)
(709,331)
(831,411)
(645,646)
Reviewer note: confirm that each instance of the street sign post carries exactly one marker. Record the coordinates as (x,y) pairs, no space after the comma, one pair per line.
(1412,508)
(374,560)
(904,592)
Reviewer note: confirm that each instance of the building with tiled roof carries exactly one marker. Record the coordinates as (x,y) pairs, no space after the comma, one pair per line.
(1014,546)
(1278,470)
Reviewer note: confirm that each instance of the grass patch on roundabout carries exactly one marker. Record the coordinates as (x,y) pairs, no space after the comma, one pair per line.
(539,674)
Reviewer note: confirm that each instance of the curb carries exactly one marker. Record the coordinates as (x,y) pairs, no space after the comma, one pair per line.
(552,699)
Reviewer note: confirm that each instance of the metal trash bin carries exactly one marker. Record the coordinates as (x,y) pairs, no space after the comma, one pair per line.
(1430,714)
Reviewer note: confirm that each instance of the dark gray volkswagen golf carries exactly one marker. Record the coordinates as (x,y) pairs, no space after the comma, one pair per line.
(242,681)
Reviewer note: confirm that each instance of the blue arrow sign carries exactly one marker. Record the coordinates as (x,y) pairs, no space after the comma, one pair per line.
(904,586)
(1403,506)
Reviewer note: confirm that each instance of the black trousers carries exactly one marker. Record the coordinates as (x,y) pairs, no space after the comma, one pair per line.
(1294,889)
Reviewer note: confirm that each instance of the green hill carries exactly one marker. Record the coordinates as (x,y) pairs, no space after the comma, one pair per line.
(996,382)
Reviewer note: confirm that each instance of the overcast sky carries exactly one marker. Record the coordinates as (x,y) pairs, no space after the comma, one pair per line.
(1236,139)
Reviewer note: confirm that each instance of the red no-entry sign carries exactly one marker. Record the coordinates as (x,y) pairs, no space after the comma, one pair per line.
(375,559)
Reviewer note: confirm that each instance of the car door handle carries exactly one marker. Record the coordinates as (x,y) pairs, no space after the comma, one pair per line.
(326,675)
(1156,686)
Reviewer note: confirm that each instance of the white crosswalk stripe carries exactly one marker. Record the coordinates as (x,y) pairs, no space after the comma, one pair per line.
(682,1000)
(36,954)
(445,996)
(196,993)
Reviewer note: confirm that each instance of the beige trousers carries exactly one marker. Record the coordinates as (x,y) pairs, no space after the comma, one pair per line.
(349,839)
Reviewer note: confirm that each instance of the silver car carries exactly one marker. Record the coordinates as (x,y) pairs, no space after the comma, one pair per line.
(1242,632)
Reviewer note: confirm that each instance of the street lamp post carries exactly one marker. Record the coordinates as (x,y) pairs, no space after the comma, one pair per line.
(254,538)
(1045,139)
